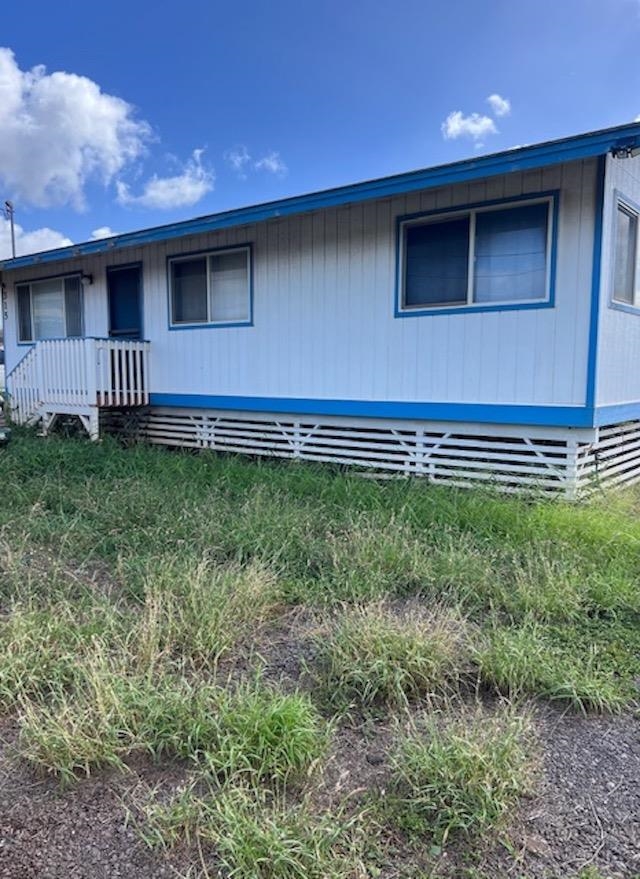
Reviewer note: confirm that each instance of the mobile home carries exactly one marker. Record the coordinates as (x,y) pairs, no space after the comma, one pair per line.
(472,321)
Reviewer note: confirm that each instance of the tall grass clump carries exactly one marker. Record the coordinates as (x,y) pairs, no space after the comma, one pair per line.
(194,611)
(43,645)
(460,777)
(266,734)
(113,711)
(531,659)
(259,837)
(379,653)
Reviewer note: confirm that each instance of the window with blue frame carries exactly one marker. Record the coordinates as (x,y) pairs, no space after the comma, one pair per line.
(484,256)
(211,289)
(50,309)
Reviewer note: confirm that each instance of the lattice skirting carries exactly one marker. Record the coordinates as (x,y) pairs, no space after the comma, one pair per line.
(512,457)
(612,459)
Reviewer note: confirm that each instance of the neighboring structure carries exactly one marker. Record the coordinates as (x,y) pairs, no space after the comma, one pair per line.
(479,320)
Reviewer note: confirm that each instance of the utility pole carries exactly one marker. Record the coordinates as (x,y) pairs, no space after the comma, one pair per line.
(8,213)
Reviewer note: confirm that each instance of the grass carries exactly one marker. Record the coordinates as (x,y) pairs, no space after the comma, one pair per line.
(258,836)
(254,730)
(559,664)
(138,587)
(376,654)
(195,611)
(460,777)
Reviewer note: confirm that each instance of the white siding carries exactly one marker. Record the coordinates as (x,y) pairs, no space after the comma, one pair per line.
(324,323)
(618,373)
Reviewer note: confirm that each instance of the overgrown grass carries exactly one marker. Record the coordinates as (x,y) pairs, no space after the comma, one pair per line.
(459,777)
(194,611)
(380,654)
(127,575)
(258,836)
(110,713)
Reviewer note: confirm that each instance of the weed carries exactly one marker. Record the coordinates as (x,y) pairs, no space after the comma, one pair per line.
(460,777)
(376,654)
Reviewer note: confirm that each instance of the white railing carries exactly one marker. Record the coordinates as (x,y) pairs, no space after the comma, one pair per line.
(69,375)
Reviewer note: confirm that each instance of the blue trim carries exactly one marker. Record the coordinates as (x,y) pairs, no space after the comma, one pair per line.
(595,143)
(399,311)
(616,414)
(549,416)
(596,267)
(220,325)
(619,198)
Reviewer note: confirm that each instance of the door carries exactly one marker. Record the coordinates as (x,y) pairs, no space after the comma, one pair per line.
(125,301)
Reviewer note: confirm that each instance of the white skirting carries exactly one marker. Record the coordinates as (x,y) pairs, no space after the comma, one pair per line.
(511,457)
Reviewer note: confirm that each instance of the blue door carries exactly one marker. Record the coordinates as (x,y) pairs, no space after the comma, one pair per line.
(125,302)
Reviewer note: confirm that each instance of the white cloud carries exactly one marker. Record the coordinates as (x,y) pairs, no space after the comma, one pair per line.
(474,126)
(272,163)
(182,190)
(637,119)
(102,232)
(60,130)
(29,242)
(499,105)
(239,158)
(241,161)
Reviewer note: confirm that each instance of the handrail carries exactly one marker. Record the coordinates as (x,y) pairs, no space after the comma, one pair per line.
(16,365)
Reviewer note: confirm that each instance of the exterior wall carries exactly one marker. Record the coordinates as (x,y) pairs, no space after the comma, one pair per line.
(324,325)
(618,357)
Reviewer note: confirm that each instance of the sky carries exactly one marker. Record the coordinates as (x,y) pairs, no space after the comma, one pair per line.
(124,115)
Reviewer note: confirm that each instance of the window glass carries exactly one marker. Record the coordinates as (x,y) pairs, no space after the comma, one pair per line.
(437,257)
(189,290)
(625,256)
(24,313)
(47,305)
(511,254)
(484,256)
(229,280)
(73,306)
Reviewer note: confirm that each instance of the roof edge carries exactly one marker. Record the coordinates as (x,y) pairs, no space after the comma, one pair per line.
(540,155)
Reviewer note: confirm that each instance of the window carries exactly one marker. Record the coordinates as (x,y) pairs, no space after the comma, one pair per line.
(49,309)
(211,288)
(624,263)
(477,257)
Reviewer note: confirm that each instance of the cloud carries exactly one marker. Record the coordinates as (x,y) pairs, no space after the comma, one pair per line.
(272,163)
(182,190)
(29,242)
(241,161)
(102,232)
(474,126)
(499,105)
(59,131)
(238,158)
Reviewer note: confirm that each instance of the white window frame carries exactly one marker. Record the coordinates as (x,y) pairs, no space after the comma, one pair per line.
(29,284)
(207,254)
(472,212)
(626,207)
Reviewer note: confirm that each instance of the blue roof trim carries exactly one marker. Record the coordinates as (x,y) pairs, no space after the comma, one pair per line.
(595,143)
(488,413)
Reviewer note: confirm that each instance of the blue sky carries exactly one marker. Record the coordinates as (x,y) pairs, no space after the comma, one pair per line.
(124,115)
